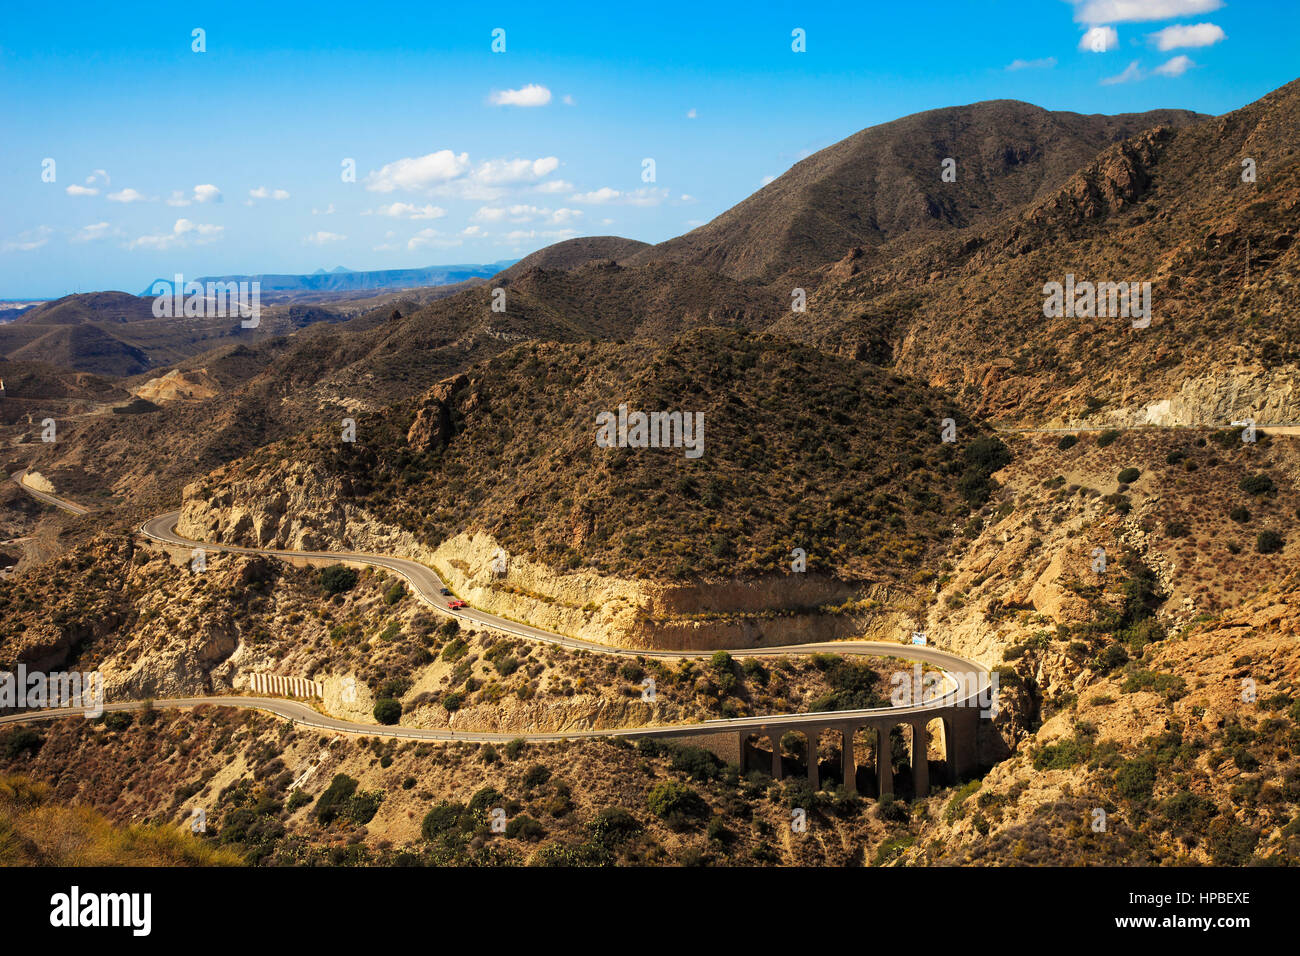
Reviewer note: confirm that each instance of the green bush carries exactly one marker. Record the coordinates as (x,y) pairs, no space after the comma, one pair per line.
(676,802)
(524,827)
(337,579)
(396,591)
(1258,485)
(696,762)
(1067,442)
(444,818)
(1268,542)
(335,798)
(20,741)
(536,775)
(1107,437)
(1136,778)
(1129,475)
(388,710)
(1239,515)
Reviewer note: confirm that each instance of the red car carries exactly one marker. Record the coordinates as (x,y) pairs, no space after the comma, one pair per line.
(457,604)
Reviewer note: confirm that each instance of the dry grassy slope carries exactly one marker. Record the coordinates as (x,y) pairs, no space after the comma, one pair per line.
(804,450)
(883,184)
(238,767)
(35,830)
(171,633)
(1194,756)
(1167,206)
(570,254)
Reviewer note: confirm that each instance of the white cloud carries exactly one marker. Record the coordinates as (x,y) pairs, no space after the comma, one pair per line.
(261,192)
(1131,74)
(29,240)
(1099,40)
(528,235)
(1046,63)
(75,190)
(767,179)
(530,95)
(1184,35)
(1175,67)
(568,100)
(183,232)
(452,175)
(420,172)
(524,213)
(406,210)
(93,232)
(1129,11)
(205,192)
(554,186)
(327,211)
(431,238)
(127,195)
(99,175)
(322,237)
(691,114)
(602,195)
(496,172)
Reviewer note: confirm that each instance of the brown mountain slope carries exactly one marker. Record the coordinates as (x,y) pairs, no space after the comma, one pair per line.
(884,183)
(1169,207)
(572,253)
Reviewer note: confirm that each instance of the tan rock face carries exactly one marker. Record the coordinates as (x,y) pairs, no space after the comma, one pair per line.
(308,511)
(432,425)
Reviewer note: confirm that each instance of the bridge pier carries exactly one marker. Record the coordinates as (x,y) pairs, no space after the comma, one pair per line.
(847,762)
(884,764)
(920,760)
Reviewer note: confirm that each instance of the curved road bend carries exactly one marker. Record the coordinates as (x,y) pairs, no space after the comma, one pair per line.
(969,680)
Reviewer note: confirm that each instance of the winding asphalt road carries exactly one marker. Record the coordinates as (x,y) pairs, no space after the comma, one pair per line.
(967,680)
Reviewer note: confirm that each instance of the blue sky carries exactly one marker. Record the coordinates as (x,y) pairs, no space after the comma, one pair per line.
(168,160)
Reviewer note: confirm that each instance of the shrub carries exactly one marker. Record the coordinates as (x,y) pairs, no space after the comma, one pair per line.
(445,817)
(524,827)
(337,579)
(614,825)
(388,710)
(1258,485)
(1067,442)
(20,741)
(396,591)
(676,802)
(1129,475)
(336,795)
(1136,778)
(1268,542)
(1107,437)
(1239,515)
(536,775)
(696,762)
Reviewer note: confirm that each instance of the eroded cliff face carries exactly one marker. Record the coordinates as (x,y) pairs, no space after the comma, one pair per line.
(309,511)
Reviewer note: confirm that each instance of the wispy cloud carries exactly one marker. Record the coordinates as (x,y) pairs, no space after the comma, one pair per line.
(29,240)
(1175,67)
(645,196)
(1132,73)
(262,192)
(531,95)
(205,192)
(1046,63)
(95,232)
(75,190)
(1131,11)
(183,233)
(127,195)
(1187,36)
(321,238)
(406,210)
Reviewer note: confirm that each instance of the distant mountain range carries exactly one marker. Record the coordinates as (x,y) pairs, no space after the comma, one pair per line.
(340,279)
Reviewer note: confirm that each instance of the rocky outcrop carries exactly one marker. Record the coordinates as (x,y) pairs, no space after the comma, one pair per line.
(432,427)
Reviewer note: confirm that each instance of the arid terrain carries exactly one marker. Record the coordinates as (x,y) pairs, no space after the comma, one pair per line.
(897,441)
